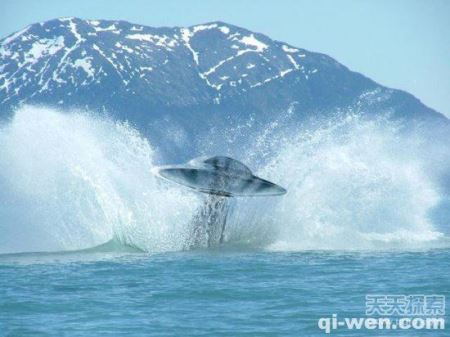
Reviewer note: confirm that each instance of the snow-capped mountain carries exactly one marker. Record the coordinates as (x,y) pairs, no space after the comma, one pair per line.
(203,64)
(205,74)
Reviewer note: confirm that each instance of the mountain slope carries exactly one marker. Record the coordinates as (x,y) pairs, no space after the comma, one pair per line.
(197,78)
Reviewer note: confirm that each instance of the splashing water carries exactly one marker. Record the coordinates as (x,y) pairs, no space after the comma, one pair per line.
(353,184)
(74,181)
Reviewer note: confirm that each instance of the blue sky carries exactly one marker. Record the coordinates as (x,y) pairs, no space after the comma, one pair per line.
(403,44)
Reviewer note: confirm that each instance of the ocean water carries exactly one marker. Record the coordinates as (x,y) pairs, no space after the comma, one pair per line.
(222,292)
(92,242)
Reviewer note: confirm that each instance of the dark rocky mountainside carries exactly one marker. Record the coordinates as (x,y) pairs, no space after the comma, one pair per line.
(198,78)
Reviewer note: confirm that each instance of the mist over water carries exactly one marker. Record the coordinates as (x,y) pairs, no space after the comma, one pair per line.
(71,181)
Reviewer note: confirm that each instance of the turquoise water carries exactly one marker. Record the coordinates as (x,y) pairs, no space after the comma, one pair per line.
(220,292)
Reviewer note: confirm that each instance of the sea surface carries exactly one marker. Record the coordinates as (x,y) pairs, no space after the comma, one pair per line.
(211,292)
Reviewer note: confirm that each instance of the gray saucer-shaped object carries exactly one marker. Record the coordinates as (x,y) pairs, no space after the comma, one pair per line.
(219,175)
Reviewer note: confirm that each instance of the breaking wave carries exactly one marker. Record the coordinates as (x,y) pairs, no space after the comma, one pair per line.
(71,181)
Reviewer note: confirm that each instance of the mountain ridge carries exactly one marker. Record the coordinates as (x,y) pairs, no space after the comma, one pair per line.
(221,75)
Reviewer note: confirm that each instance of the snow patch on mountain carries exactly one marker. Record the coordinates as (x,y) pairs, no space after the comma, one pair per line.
(86,65)
(14,36)
(44,47)
(288,49)
(162,41)
(253,42)
(186,35)
(294,63)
